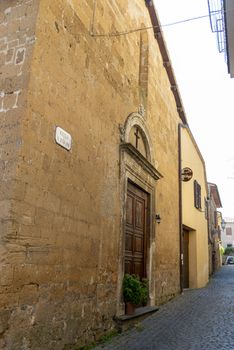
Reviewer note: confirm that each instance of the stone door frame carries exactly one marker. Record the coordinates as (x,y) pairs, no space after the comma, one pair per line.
(134,167)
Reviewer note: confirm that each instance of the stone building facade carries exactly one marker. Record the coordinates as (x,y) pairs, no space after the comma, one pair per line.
(72,208)
(214,204)
(227,234)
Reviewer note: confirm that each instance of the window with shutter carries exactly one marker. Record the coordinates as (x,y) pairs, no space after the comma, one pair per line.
(197,195)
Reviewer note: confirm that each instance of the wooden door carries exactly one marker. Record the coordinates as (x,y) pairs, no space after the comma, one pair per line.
(136,231)
(185,258)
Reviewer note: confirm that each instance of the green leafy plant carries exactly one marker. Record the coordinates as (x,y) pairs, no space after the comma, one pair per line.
(222,250)
(229,251)
(134,290)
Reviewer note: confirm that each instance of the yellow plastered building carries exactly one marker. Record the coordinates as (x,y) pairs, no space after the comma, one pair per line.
(194,215)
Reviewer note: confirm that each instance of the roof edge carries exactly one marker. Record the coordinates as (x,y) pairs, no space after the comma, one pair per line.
(211,184)
(158,34)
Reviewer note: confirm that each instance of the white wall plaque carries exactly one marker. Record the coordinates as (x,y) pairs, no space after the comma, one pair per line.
(63,138)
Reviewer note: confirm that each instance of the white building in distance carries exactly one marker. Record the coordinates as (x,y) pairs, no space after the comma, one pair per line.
(227,235)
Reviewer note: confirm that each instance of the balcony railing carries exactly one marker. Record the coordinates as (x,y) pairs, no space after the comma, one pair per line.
(217,23)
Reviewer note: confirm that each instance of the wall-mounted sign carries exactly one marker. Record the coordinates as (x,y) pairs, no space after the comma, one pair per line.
(63,138)
(186,174)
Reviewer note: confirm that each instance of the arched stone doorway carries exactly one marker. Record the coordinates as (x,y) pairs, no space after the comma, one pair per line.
(138,176)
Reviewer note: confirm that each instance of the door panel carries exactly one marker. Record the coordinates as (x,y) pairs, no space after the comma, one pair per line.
(139,214)
(129,211)
(185,259)
(139,244)
(136,231)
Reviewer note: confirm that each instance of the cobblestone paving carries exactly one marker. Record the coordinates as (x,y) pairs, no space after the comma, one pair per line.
(199,319)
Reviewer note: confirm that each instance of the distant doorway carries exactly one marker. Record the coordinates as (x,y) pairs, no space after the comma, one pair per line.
(136,231)
(185,258)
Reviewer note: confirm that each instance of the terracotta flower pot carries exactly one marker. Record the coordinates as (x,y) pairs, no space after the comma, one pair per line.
(129,308)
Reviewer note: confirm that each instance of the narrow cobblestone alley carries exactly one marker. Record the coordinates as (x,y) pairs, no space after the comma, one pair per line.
(200,319)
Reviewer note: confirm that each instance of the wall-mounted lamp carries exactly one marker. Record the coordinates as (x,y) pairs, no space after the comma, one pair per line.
(158,218)
(223,224)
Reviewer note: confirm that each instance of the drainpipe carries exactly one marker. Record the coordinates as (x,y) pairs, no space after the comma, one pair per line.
(92,23)
(180,208)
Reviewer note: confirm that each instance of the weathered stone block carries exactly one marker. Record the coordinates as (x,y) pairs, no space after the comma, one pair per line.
(5,207)
(29,294)
(10,101)
(6,275)
(43,218)
(20,55)
(4,320)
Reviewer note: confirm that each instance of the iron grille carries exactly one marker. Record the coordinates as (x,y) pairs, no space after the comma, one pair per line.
(217,22)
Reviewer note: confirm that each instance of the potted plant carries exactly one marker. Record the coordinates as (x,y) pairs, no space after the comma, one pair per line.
(135,292)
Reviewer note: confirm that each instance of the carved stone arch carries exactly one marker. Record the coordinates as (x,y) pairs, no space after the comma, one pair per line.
(137,119)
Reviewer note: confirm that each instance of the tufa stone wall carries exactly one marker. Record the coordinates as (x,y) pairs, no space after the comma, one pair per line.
(62,211)
(17,36)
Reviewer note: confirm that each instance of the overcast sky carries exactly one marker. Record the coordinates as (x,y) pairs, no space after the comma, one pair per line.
(206,88)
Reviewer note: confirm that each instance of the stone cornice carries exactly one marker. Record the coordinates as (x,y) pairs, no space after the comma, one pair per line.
(141,160)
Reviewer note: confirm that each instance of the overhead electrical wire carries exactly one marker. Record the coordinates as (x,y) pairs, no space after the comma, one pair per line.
(147,28)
